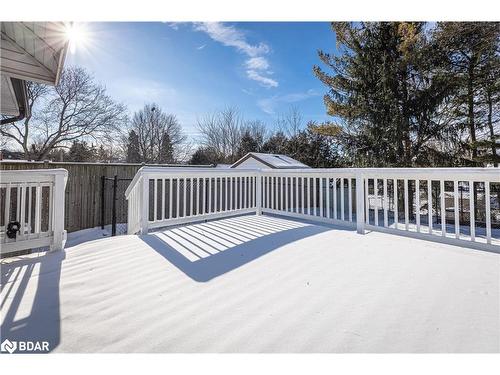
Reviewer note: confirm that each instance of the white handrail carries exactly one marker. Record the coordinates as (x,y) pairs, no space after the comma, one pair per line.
(415,202)
(35,200)
(192,194)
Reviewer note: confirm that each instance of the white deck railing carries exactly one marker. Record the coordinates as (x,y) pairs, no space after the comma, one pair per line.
(393,200)
(158,196)
(34,199)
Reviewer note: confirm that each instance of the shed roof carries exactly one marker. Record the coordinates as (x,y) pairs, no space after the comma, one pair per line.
(274,161)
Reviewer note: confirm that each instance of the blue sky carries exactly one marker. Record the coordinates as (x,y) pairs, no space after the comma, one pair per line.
(194,69)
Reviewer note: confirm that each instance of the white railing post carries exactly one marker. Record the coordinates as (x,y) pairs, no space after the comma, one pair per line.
(59,234)
(258,202)
(144,219)
(360,203)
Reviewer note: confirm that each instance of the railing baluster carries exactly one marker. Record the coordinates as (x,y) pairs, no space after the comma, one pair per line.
(309,196)
(367,200)
(396,208)
(443,209)
(407,208)
(38,207)
(456,209)
(18,206)
(335,198)
(472,211)
(228,208)
(321,196)
(221,193)
(342,203)
(184,198)
(240,192)
(417,203)
(216,194)
(281,193)
(22,205)
(170,196)
(264,195)
(51,209)
(210,195)
(163,203)
(375,200)
(386,204)
(271,192)
(328,214)
(429,204)
(155,199)
(191,195)
(254,190)
(349,196)
(177,197)
(286,193)
(296,181)
(30,207)
(315,201)
(303,186)
(488,211)
(244,192)
(231,193)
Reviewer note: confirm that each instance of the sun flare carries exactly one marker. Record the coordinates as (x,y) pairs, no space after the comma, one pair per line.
(77,35)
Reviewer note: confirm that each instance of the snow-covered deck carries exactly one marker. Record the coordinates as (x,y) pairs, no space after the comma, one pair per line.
(255,284)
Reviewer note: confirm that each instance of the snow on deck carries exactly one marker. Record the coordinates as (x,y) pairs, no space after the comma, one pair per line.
(255,284)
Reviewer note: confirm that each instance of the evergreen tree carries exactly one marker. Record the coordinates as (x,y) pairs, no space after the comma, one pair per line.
(471,51)
(276,144)
(247,144)
(80,151)
(384,93)
(204,156)
(166,150)
(133,151)
(314,149)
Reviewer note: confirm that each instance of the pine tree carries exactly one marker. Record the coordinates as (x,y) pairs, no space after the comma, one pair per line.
(133,151)
(80,151)
(471,53)
(204,156)
(381,95)
(247,144)
(276,144)
(314,149)
(166,150)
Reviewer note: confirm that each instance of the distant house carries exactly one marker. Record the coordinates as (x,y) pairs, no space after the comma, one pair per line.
(264,161)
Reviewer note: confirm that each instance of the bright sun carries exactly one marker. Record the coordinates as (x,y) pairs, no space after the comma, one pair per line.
(77,36)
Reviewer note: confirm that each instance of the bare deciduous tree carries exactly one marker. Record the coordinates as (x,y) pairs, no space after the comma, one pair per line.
(20,132)
(153,127)
(258,131)
(221,133)
(291,122)
(77,108)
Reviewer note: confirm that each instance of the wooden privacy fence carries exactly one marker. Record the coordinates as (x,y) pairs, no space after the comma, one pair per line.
(84,189)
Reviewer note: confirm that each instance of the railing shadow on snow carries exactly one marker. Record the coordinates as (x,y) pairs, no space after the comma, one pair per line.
(43,322)
(207,250)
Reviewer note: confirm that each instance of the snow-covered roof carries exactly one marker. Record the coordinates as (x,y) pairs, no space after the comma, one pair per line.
(274,161)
